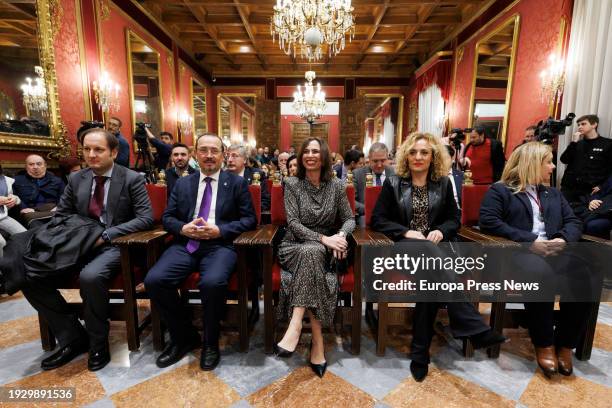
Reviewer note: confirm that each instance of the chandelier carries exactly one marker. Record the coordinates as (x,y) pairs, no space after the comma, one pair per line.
(309,103)
(106,93)
(311,23)
(552,79)
(35,93)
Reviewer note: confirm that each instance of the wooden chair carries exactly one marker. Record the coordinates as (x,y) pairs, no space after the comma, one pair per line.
(349,309)
(501,317)
(237,294)
(136,247)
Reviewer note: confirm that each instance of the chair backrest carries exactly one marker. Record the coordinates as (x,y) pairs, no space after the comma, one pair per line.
(255,191)
(269,182)
(158,197)
(371,196)
(471,197)
(277,203)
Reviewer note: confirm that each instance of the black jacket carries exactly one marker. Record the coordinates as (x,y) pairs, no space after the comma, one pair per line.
(589,163)
(498,160)
(171,177)
(510,215)
(54,250)
(27,188)
(393,211)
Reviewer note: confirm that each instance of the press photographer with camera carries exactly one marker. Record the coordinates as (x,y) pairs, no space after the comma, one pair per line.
(163,145)
(589,161)
(484,157)
(123,155)
(455,140)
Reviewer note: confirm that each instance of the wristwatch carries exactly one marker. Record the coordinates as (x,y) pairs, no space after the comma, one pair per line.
(105,237)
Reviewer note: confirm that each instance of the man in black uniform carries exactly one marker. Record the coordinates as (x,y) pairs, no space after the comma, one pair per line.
(588,158)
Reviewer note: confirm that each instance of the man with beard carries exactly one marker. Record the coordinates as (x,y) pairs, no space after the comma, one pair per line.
(180,165)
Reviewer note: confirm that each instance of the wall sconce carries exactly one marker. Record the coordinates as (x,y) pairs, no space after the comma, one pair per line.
(553,79)
(106,93)
(185,122)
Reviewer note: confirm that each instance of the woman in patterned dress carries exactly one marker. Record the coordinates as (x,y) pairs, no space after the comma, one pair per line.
(319,218)
(418,205)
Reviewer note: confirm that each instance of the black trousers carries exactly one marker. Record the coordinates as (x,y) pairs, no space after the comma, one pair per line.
(95,280)
(464,321)
(215,262)
(568,330)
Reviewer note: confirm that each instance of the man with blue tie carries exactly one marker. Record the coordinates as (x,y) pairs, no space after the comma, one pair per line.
(206,211)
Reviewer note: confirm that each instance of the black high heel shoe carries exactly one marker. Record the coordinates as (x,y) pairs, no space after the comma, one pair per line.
(281,352)
(319,369)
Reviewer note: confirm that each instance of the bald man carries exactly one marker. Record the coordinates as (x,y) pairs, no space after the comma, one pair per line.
(38,189)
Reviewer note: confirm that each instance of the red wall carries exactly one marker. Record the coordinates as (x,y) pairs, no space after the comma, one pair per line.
(333,138)
(538,37)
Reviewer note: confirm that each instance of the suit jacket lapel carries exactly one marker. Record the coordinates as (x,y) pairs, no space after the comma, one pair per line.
(83,192)
(434,194)
(193,194)
(527,203)
(544,202)
(114,192)
(222,187)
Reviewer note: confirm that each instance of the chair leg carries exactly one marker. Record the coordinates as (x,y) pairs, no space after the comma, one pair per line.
(268,301)
(381,333)
(356,326)
(468,348)
(130,309)
(243,303)
(157,329)
(496,321)
(585,346)
(47,338)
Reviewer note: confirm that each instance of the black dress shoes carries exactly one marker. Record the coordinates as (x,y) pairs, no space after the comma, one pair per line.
(319,369)
(174,352)
(98,359)
(65,355)
(210,358)
(419,371)
(281,352)
(487,339)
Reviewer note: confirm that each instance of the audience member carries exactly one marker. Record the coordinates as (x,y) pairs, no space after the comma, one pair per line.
(69,166)
(8,200)
(292,166)
(123,155)
(236,164)
(484,157)
(353,159)
(180,165)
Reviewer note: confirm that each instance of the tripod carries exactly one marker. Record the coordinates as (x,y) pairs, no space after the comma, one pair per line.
(148,166)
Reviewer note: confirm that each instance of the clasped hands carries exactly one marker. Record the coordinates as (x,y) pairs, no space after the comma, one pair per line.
(337,243)
(9,201)
(200,229)
(434,236)
(548,247)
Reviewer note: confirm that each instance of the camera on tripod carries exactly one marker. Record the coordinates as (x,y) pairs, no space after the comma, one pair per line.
(140,135)
(458,138)
(548,130)
(86,125)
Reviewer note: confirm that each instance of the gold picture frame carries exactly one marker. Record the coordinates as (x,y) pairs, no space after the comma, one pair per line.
(365,93)
(56,145)
(191,101)
(231,94)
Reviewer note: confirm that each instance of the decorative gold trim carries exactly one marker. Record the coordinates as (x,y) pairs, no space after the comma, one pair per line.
(84,73)
(129,32)
(553,108)
(400,122)
(193,124)
(182,69)
(104,10)
(170,62)
(57,144)
(488,24)
(426,65)
(230,94)
(56,12)
(516,19)
(460,52)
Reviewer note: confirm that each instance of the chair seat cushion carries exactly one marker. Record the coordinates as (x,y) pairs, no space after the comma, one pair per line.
(347,281)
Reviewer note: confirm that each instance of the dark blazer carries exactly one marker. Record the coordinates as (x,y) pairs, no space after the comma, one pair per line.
(128,208)
(359,180)
(510,215)
(163,153)
(27,189)
(498,160)
(265,194)
(171,177)
(123,154)
(234,213)
(338,170)
(393,211)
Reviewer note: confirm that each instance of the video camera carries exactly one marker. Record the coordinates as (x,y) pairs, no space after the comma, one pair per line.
(548,130)
(459,137)
(86,125)
(140,135)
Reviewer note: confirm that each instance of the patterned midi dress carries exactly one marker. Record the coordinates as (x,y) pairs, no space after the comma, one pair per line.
(305,279)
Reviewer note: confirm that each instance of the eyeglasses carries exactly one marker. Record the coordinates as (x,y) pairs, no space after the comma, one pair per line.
(205,150)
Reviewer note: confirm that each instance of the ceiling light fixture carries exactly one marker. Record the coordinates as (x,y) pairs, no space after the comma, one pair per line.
(310,103)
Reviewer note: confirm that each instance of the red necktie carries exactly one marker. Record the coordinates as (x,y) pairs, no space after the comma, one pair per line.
(96,202)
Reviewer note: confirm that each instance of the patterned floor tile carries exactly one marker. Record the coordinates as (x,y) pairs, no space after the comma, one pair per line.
(304,389)
(103,403)
(7,298)
(17,308)
(565,392)
(603,337)
(19,331)
(598,369)
(605,314)
(442,389)
(75,374)
(184,386)
(21,361)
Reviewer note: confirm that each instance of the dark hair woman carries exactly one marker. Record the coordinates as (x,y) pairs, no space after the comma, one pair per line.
(418,205)
(319,218)
(522,209)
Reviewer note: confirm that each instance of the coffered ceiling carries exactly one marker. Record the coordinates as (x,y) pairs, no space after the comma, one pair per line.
(231,38)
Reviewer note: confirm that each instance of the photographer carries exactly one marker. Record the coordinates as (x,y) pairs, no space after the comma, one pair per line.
(589,161)
(484,157)
(123,155)
(163,147)
(455,140)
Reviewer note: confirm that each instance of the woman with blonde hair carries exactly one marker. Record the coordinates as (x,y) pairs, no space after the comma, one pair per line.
(522,208)
(417,205)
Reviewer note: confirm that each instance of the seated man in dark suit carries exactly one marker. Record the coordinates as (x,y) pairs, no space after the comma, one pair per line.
(236,163)
(180,165)
(117,198)
(38,189)
(353,159)
(206,212)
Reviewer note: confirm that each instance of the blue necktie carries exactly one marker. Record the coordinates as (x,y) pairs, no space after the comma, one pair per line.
(378,180)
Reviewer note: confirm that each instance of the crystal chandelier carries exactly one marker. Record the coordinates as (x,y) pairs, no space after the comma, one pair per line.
(311,23)
(106,93)
(309,103)
(35,93)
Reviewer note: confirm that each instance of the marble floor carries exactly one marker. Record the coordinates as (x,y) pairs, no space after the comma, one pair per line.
(256,379)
